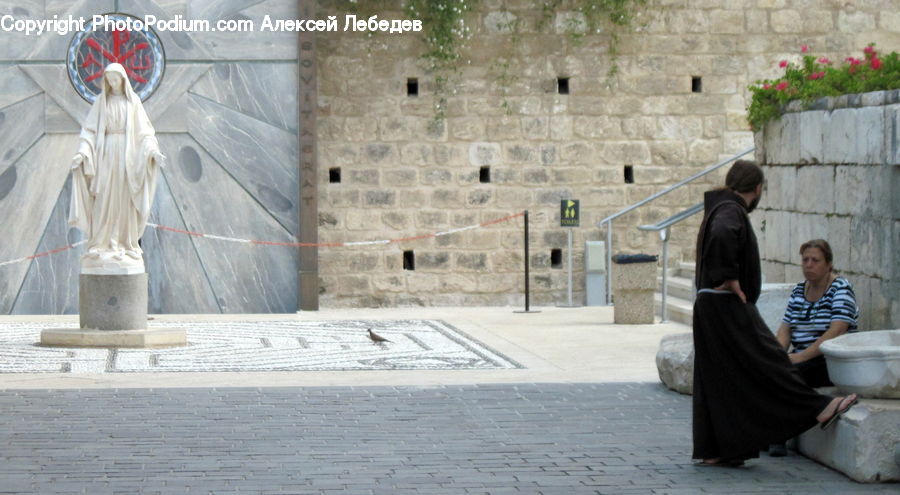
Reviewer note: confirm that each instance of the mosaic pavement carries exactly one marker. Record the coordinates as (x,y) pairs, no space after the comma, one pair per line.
(286,345)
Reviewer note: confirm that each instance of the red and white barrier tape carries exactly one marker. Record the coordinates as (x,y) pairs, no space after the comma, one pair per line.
(287,244)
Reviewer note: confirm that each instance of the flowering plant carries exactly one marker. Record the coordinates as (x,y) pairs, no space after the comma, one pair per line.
(816,77)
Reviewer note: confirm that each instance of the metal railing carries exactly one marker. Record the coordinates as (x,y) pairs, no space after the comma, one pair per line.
(609,220)
(663,229)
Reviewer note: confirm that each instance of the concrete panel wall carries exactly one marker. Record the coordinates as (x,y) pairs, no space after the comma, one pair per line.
(226,117)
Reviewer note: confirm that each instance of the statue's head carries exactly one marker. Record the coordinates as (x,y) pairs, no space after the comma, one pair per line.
(115,79)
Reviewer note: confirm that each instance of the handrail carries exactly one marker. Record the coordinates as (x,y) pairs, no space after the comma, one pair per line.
(663,229)
(609,220)
(689,212)
(671,188)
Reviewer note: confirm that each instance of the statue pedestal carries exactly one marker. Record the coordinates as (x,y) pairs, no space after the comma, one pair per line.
(113,313)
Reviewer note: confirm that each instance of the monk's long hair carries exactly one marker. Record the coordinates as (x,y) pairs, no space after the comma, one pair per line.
(744,176)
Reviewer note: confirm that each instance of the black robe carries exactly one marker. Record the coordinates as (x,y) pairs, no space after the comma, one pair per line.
(746,392)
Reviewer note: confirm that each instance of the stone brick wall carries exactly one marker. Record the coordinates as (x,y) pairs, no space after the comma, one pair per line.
(400,177)
(833,172)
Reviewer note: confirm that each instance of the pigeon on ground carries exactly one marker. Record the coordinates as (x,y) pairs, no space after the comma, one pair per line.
(376,338)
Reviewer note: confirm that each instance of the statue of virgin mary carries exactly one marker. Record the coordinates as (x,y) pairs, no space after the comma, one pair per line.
(114,177)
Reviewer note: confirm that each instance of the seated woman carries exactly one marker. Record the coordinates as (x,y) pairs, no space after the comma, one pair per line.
(821,307)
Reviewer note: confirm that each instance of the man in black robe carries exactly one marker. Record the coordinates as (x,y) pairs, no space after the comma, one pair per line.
(746,394)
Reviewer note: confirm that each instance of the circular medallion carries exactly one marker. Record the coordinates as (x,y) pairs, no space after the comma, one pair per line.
(121,39)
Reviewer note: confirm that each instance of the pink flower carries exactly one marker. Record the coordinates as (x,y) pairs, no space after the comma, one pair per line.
(782,64)
(824,60)
(817,75)
(875,63)
(781,86)
(804,48)
(854,61)
(869,50)
(767,86)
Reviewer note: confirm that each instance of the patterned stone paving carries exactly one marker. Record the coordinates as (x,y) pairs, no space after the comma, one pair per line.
(285,345)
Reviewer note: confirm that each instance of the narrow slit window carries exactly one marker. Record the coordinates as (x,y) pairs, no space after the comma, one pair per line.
(412,87)
(334,175)
(562,85)
(696,84)
(556,258)
(484,175)
(409,260)
(629,174)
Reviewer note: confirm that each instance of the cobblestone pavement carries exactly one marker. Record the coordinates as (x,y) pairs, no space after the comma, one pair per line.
(614,438)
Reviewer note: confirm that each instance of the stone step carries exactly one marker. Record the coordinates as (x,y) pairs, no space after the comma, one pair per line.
(680,310)
(680,287)
(687,269)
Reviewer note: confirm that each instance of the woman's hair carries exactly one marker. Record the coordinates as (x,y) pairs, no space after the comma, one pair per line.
(821,244)
(744,176)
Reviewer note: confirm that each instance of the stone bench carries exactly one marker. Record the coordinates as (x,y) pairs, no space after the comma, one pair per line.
(864,444)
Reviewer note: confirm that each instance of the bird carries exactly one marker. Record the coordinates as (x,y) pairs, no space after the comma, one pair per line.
(376,338)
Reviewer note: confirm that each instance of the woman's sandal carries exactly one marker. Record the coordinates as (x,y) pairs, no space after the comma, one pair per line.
(847,402)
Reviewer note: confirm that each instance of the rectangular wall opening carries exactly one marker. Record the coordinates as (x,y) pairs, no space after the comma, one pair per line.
(409,260)
(412,87)
(484,175)
(556,258)
(629,174)
(696,84)
(562,85)
(334,175)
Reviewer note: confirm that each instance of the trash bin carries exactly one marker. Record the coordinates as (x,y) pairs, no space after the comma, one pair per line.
(633,283)
(595,273)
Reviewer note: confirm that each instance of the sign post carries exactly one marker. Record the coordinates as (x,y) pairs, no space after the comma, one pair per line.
(569,216)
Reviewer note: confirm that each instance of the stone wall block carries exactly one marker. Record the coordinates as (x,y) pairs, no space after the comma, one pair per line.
(778,238)
(816,189)
(782,140)
(482,154)
(892,134)
(811,124)
(839,239)
(869,247)
(870,136)
(865,190)
(803,228)
(841,136)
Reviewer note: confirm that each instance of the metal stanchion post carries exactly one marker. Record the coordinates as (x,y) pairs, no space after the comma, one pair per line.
(527,274)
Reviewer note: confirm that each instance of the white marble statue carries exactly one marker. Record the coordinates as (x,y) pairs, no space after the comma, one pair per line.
(114,177)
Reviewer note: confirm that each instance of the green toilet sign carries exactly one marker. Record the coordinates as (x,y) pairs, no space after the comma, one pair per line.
(569,214)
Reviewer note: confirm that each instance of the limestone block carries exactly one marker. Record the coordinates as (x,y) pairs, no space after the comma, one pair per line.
(811,123)
(785,20)
(863,443)
(865,190)
(870,131)
(805,227)
(466,128)
(839,239)
(870,245)
(675,362)
(782,140)
(892,134)
(817,21)
(816,193)
(778,236)
(143,338)
(840,136)
(855,21)
(672,127)
(482,154)
(504,128)
(773,272)
(772,302)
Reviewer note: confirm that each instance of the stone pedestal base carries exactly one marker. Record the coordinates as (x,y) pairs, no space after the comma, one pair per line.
(76,337)
(113,302)
(113,313)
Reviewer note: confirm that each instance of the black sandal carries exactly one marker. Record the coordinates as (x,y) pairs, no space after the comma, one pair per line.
(839,411)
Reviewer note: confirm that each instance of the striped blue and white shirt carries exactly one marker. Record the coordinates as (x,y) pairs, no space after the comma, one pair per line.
(809,320)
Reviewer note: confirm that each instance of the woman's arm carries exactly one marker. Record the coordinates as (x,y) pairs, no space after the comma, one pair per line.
(836,329)
(784,335)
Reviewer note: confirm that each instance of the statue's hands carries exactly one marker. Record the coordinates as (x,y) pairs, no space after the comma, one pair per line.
(77,160)
(158,158)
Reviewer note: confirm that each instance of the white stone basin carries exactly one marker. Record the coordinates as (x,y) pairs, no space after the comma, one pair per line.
(867,363)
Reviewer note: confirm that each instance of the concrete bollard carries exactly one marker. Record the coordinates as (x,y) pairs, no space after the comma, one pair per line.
(634,282)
